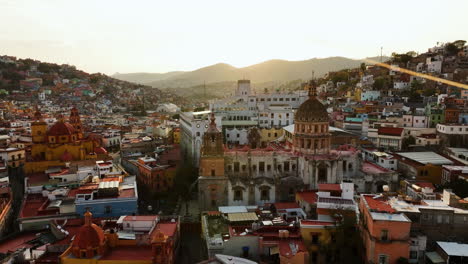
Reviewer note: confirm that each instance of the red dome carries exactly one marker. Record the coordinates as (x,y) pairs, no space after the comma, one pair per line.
(61,129)
(66,156)
(89,236)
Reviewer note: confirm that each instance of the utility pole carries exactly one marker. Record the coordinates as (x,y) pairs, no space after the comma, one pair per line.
(381,50)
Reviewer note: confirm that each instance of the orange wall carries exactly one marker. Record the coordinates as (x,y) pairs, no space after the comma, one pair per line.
(396,231)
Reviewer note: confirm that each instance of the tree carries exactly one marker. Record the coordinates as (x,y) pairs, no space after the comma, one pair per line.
(459,187)
(345,245)
(408,141)
(363,67)
(429,91)
(380,83)
(341,76)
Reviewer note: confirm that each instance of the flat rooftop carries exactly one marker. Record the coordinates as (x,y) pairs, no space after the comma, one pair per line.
(426,157)
(454,249)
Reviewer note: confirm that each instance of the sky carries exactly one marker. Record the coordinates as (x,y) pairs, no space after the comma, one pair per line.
(160,36)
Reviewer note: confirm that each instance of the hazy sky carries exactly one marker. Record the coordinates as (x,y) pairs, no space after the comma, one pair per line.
(160,36)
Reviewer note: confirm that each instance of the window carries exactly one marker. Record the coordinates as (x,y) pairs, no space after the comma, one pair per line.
(108,209)
(236,166)
(322,173)
(383,259)
(413,254)
(314,257)
(212,172)
(384,235)
(265,195)
(238,195)
(213,203)
(198,134)
(315,238)
(244,167)
(261,166)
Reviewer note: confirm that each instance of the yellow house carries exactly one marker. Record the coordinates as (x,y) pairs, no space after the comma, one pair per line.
(357,94)
(315,235)
(63,142)
(176,135)
(270,134)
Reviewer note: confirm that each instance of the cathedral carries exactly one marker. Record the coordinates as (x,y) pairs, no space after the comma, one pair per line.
(61,143)
(252,175)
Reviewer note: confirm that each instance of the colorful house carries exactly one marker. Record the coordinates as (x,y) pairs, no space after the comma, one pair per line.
(385,233)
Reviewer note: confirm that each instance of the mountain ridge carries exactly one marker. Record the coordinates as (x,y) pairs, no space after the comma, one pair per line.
(276,70)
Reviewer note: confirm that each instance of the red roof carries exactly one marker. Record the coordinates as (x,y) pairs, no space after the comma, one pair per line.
(286,250)
(16,242)
(280,206)
(168,228)
(308,196)
(390,131)
(61,129)
(378,204)
(425,185)
(329,187)
(100,150)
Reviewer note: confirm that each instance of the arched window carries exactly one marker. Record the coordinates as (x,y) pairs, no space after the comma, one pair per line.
(322,173)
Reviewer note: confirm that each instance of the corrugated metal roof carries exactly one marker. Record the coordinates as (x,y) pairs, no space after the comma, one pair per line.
(454,249)
(240,217)
(426,157)
(232,209)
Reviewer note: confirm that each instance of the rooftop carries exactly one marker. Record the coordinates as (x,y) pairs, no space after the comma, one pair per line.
(376,203)
(426,157)
(453,248)
(371,168)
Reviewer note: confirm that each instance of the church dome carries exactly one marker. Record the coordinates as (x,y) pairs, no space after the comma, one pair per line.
(89,236)
(61,129)
(312,110)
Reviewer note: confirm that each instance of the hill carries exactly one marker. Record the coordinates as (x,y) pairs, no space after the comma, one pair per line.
(145,77)
(268,71)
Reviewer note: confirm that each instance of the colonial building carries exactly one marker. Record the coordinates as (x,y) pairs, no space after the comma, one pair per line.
(148,240)
(258,173)
(61,143)
(212,183)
